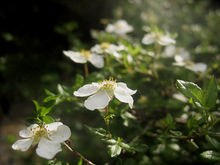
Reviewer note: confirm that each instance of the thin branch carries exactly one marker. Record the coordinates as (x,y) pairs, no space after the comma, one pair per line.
(78,154)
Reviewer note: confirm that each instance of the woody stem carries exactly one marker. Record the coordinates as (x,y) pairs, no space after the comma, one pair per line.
(78,154)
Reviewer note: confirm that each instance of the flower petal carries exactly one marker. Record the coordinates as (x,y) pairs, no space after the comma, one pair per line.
(96,60)
(148,39)
(166,40)
(198,67)
(86,90)
(62,134)
(22,145)
(47,149)
(97,101)
(124,86)
(122,95)
(28,132)
(53,126)
(75,56)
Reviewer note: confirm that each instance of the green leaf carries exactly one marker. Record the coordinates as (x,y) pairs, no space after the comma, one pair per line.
(50,98)
(191,90)
(49,93)
(80,162)
(210,94)
(192,145)
(79,80)
(211,155)
(213,142)
(37,107)
(169,121)
(45,110)
(114,150)
(48,119)
(96,131)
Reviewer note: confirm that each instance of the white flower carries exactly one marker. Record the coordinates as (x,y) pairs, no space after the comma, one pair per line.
(47,136)
(157,37)
(172,51)
(84,56)
(121,27)
(108,48)
(198,67)
(102,92)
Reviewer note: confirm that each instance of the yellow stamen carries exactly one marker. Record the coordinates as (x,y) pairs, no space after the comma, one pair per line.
(105,45)
(85,53)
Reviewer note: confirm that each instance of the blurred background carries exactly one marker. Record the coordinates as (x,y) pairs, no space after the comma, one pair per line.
(34,33)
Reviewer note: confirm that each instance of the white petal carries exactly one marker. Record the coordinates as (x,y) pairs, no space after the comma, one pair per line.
(28,132)
(110,28)
(53,126)
(166,40)
(22,145)
(124,86)
(148,39)
(96,60)
(97,101)
(62,134)
(86,90)
(75,56)
(117,55)
(122,95)
(47,149)
(97,49)
(25,133)
(198,67)
(178,59)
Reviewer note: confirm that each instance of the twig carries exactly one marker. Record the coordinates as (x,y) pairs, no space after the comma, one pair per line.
(78,154)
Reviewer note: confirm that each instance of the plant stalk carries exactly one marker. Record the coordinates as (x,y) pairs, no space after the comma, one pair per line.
(78,154)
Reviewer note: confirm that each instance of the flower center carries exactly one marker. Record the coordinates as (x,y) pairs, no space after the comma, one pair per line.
(38,133)
(85,53)
(105,45)
(157,35)
(108,86)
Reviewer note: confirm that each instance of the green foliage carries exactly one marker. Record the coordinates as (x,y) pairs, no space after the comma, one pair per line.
(164,126)
(204,99)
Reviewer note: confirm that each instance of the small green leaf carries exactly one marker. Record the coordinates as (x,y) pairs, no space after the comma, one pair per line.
(80,162)
(190,90)
(110,116)
(45,110)
(210,94)
(96,131)
(50,98)
(37,107)
(211,155)
(49,93)
(169,121)
(60,89)
(192,145)
(213,142)
(48,119)
(114,150)
(79,80)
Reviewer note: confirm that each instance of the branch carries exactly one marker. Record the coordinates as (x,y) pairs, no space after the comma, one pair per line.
(78,154)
